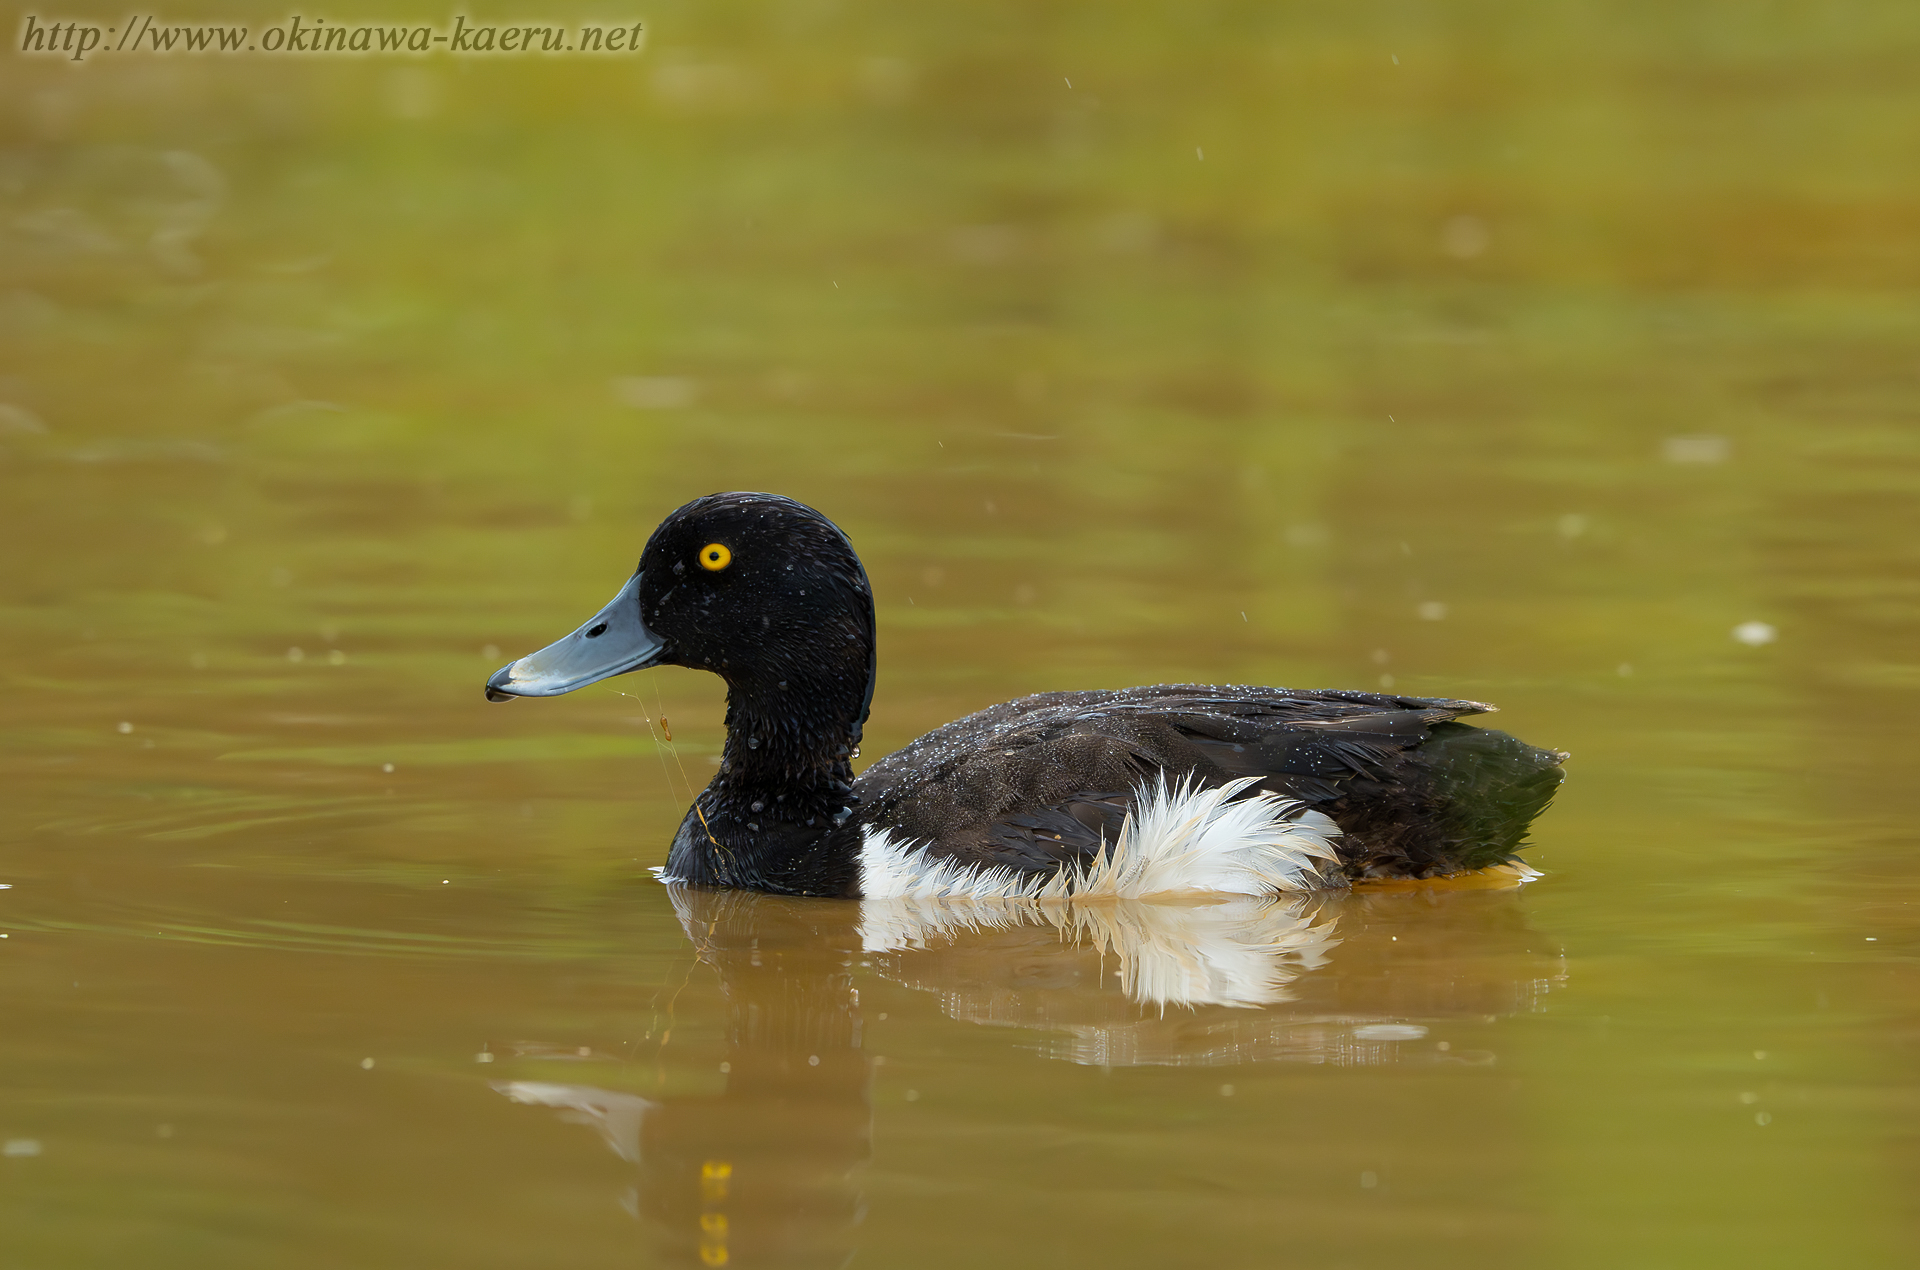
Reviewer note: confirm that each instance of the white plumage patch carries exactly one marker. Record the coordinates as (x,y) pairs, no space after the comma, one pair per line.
(1178,840)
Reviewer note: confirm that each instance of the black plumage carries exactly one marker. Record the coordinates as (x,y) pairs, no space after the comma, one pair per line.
(1031,785)
(1031,782)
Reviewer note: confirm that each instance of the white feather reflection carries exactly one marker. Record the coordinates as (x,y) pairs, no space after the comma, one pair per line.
(1242,980)
(616,1116)
(1241,951)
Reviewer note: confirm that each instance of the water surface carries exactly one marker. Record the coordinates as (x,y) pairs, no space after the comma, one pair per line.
(1490,351)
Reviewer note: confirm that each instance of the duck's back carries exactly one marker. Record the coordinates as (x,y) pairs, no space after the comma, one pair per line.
(1043,782)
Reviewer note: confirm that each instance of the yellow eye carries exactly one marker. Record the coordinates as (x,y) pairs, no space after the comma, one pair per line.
(715,556)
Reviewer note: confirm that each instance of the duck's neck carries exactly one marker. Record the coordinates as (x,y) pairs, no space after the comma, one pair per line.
(790,744)
(785,784)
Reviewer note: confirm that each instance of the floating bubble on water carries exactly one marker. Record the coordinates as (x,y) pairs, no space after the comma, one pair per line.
(412,93)
(1432,611)
(366,1064)
(490,651)
(1465,237)
(387,768)
(888,81)
(1763,1118)
(336,658)
(1226,1091)
(985,244)
(1386,681)
(483,1057)
(1754,634)
(1571,525)
(913,1095)
(123,728)
(656,392)
(1389,1032)
(21,1148)
(1698,448)
(304,406)
(1624,670)
(696,86)
(1369,1179)
(19,419)
(1749,1098)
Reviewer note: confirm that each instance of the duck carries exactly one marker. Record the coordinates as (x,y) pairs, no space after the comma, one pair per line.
(1157,791)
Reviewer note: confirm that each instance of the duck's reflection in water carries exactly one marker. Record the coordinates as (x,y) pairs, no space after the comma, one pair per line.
(766,1172)
(1143,984)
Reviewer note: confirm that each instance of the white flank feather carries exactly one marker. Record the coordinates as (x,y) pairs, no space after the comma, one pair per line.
(1178,840)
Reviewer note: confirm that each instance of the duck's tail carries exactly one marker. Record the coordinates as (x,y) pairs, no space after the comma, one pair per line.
(1467,804)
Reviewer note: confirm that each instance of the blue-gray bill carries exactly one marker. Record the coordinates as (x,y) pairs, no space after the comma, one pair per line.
(613,642)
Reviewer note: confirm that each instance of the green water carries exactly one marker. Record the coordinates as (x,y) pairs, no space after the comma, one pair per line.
(1515,352)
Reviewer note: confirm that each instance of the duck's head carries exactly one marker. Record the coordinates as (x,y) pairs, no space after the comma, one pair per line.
(762,590)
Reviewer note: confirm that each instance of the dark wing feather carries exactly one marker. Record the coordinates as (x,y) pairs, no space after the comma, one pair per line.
(1044,839)
(1414,792)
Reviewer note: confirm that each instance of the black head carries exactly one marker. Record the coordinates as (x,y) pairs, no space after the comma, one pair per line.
(762,590)
(759,589)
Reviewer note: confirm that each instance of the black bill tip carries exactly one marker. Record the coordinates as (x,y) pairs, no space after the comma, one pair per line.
(497,683)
